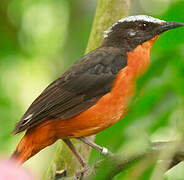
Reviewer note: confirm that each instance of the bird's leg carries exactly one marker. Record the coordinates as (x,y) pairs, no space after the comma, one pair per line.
(102,150)
(79,174)
(72,148)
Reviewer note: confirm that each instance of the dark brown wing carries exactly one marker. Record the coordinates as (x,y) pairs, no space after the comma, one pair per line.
(77,89)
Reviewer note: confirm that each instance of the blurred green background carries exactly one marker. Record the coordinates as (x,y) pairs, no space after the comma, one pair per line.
(40,39)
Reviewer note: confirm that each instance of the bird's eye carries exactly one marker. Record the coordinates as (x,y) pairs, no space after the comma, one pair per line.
(143,26)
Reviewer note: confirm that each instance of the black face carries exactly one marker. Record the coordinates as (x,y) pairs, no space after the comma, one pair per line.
(128,35)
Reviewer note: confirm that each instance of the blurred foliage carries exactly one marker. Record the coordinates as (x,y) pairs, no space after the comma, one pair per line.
(40,39)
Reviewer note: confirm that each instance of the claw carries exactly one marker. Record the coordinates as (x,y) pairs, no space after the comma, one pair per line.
(83,172)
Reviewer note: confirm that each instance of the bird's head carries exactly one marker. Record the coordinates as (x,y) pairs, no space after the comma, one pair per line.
(132,31)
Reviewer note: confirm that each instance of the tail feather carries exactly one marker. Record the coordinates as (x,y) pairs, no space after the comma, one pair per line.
(32,142)
(23,151)
(15,155)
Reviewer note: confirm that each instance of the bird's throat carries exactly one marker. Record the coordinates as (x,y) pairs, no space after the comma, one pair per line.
(139,58)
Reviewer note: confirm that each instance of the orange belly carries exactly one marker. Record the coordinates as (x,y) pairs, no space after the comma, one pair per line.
(107,111)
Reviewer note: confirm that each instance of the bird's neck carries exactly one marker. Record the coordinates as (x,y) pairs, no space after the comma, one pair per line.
(139,58)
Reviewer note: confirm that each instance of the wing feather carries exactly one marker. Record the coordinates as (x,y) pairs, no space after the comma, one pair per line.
(77,89)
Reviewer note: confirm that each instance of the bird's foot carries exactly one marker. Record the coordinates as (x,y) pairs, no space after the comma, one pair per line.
(83,173)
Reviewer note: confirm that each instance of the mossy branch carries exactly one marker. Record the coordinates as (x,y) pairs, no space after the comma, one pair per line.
(107,13)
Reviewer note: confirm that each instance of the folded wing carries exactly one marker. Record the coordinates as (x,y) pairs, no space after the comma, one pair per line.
(77,89)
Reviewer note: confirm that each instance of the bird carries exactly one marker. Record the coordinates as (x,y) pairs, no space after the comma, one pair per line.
(95,92)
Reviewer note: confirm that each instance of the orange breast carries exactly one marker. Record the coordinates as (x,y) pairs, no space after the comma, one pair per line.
(111,107)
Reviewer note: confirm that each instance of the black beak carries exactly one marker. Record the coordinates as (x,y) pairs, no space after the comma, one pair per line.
(167,26)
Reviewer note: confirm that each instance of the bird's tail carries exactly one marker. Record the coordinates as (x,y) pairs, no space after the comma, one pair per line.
(24,150)
(32,142)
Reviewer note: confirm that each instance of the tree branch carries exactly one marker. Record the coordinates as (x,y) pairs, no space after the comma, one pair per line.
(113,165)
